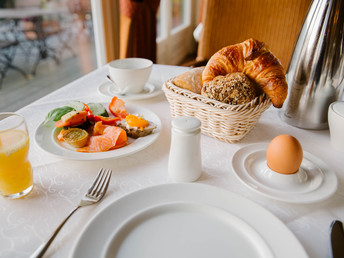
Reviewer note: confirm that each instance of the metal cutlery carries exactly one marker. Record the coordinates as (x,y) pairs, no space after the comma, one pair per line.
(94,194)
(123,92)
(109,78)
(337,239)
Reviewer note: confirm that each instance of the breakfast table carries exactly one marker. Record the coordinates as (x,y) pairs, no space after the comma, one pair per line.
(60,183)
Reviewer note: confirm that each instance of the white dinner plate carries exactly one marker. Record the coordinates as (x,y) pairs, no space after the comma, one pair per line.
(185,220)
(45,138)
(149,91)
(314,182)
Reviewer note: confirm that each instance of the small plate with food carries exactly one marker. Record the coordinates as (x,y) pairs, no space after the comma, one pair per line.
(96,131)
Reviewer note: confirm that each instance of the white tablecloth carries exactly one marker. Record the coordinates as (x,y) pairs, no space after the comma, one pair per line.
(60,184)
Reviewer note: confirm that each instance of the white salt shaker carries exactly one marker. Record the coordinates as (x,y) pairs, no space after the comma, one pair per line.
(185,161)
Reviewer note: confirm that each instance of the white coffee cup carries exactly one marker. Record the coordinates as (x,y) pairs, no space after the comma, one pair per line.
(336,124)
(129,74)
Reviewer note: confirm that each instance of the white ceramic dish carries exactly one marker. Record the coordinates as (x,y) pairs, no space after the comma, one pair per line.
(314,182)
(185,220)
(45,138)
(150,91)
(130,74)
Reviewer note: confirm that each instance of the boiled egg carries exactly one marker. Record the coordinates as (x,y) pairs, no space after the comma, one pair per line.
(284,154)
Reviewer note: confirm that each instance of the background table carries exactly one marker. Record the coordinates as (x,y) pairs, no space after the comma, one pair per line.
(59,184)
(28,25)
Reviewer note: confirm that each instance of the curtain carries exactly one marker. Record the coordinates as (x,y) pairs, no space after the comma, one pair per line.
(138,28)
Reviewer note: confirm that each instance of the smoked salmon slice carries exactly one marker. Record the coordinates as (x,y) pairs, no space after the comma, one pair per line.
(73,118)
(117,107)
(104,138)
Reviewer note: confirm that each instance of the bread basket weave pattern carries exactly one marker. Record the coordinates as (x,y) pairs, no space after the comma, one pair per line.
(228,123)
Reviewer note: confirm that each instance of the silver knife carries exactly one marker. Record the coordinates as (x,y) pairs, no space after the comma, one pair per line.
(337,239)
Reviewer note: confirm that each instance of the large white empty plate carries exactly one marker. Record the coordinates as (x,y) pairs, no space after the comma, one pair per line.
(185,230)
(186,221)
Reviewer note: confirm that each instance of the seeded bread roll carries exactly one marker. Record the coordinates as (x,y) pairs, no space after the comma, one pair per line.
(190,80)
(254,59)
(233,88)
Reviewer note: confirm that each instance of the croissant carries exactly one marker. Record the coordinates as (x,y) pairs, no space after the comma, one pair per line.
(254,59)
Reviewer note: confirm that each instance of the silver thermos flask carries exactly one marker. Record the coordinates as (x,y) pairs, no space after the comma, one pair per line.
(316,70)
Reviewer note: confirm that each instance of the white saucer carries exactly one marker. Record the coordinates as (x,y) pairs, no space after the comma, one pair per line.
(150,90)
(312,183)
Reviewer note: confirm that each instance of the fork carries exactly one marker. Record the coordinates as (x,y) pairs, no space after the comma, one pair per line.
(94,194)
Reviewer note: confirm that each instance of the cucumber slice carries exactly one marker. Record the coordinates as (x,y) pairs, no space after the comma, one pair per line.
(77,105)
(98,109)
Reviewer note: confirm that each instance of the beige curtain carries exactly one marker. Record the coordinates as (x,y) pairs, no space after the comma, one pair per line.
(111,29)
(275,22)
(138,28)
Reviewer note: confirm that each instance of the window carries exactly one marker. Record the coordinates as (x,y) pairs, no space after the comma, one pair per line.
(178,14)
(174,31)
(46,44)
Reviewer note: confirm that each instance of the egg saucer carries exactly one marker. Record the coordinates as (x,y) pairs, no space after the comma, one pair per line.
(150,90)
(312,183)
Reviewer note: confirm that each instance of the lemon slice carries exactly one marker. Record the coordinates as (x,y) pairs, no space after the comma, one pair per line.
(75,137)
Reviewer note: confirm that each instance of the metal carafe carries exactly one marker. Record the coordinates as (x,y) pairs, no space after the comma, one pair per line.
(316,70)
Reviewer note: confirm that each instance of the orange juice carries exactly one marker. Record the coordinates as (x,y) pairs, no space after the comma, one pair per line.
(15,169)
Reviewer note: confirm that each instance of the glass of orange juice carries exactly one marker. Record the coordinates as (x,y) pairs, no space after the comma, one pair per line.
(16,178)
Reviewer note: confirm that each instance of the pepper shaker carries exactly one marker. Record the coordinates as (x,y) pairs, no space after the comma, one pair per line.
(185,161)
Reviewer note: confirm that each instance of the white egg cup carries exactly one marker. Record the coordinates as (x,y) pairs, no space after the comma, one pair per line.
(258,169)
(281,181)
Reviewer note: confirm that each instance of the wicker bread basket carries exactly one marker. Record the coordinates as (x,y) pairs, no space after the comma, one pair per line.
(228,123)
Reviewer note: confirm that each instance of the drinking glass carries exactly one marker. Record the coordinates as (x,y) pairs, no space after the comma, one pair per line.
(336,124)
(16,178)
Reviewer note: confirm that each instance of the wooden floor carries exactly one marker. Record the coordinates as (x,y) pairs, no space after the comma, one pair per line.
(17,92)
